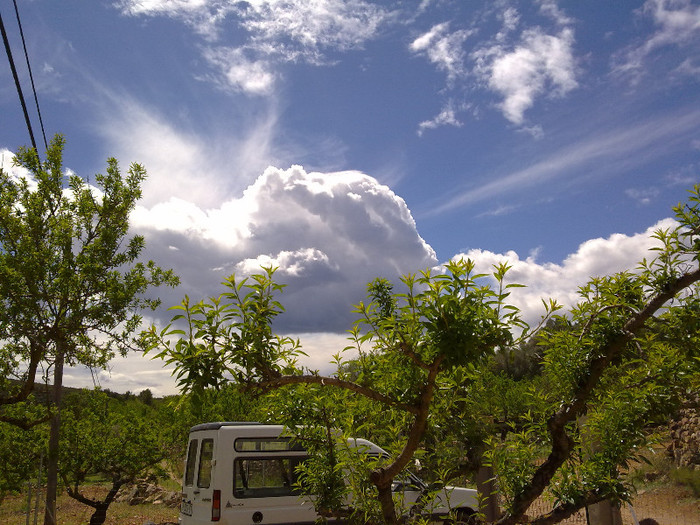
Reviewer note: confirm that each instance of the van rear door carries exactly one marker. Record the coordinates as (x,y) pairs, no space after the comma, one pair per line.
(264,482)
(197,492)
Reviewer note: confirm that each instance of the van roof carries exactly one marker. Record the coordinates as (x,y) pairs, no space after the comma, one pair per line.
(218,424)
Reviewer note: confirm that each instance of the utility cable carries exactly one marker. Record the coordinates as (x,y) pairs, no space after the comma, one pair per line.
(31,77)
(17,84)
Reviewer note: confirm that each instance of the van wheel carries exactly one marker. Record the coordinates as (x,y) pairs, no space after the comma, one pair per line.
(464,516)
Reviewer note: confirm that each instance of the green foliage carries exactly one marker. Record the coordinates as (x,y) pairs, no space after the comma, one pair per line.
(454,316)
(102,436)
(620,361)
(20,454)
(514,460)
(70,279)
(70,282)
(405,341)
(229,334)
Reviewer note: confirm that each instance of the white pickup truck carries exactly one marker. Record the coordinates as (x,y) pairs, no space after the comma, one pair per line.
(244,473)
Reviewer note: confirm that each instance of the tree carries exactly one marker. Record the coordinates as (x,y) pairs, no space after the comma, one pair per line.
(107,437)
(145,396)
(70,280)
(609,369)
(442,321)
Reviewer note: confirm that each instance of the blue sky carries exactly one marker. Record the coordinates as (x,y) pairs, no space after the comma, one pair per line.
(343,140)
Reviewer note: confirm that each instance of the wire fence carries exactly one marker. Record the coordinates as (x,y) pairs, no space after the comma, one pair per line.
(669,505)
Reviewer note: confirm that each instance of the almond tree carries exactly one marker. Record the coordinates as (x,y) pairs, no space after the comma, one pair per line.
(70,280)
(119,441)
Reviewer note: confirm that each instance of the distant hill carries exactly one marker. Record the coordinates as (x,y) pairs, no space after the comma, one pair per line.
(42,391)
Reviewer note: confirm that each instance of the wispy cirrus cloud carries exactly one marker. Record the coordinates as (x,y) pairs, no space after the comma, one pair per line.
(446,117)
(237,72)
(273,32)
(551,9)
(676,22)
(194,167)
(619,149)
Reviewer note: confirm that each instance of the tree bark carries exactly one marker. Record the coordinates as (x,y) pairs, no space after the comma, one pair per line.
(55,424)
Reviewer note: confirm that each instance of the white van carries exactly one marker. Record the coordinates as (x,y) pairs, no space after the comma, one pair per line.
(245,473)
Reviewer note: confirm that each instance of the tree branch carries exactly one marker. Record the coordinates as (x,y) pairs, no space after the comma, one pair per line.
(411,354)
(270,384)
(22,423)
(562,444)
(35,354)
(74,493)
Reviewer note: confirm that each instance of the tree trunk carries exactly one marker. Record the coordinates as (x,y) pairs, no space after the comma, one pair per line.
(488,495)
(386,500)
(52,461)
(383,477)
(100,515)
(604,513)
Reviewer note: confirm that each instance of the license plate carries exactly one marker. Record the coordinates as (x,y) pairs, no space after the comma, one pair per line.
(186,508)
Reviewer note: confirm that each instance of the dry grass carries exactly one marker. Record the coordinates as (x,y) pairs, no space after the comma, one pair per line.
(71,512)
(669,504)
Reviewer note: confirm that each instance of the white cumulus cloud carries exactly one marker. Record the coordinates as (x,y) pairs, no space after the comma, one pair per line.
(544,280)
(520,62)
(329,234)
(540,64)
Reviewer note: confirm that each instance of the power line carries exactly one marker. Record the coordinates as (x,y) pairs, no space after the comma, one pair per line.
(31,77)
(17,84)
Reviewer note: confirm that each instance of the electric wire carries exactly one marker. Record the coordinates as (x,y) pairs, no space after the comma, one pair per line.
(17,84)
(31,76)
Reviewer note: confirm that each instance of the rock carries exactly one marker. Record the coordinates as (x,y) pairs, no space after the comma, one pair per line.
(685,437)
(145,491)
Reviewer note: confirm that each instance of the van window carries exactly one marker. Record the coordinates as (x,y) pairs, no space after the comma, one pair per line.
(205,455)
(266,445)
(189,466)
(263,478)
